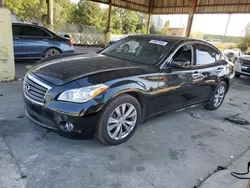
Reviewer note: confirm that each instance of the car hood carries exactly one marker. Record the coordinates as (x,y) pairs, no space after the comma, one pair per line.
(61,70)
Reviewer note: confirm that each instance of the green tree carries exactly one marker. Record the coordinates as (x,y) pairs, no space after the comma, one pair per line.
(115,22)
(15,6)
(36,10)
(152,29)
(129,21)
(86,13)
(165,29)
(245,42)
(141,25)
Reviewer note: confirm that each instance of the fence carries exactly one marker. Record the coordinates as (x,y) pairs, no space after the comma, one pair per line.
(84,35)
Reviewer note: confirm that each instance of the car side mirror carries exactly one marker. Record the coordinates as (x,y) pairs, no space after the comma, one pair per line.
(180,64)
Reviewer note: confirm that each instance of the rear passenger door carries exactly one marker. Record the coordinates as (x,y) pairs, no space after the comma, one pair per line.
(34,41)
(210,65)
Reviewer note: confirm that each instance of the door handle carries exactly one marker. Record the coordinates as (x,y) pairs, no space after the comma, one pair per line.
(219,69)
(196,75)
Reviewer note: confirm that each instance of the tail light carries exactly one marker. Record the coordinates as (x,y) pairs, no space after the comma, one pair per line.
(69,43)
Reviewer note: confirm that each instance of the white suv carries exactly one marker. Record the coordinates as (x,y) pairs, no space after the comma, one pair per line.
(242,66)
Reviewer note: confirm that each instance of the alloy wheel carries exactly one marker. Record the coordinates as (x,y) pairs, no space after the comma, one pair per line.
(51,52)
(122,121)
(219,96)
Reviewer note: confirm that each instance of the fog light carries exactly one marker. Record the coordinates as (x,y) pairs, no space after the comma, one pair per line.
(66,126)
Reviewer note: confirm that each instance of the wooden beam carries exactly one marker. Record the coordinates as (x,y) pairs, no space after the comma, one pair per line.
(148,23)
(134,3)
(210,5)
(1,3)
(150,8)
(109,16)
(193,4)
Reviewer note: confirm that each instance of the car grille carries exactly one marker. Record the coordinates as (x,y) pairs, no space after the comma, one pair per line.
(35,90)
(246,65)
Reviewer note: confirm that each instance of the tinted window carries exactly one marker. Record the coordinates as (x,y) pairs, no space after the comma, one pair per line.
(207,55)
(184,55)
(16,30)
(33,32)
(139,49)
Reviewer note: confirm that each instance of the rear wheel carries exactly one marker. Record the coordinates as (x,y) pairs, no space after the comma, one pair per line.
(218,96)
(237,75)
(119,120)
(51,52)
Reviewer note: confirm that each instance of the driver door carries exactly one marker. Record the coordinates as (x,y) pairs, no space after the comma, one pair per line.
(179,86)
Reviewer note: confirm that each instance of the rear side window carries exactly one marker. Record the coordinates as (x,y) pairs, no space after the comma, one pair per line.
(16,30)
(207,55)
(33,32)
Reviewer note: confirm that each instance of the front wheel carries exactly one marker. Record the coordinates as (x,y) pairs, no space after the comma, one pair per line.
(218,96)
(119,120)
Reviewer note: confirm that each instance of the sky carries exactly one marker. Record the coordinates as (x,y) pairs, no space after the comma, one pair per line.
(211,23)
(207,23)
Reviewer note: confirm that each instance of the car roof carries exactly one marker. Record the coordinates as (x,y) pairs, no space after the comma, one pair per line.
(37,26)
(28,24)
(161,37)
(171,38)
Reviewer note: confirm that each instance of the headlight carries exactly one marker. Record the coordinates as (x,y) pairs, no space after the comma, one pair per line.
(83,94)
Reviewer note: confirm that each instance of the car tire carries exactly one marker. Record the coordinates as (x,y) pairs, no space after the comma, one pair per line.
(51,52)
(113,129)
(237,75)
(218,95)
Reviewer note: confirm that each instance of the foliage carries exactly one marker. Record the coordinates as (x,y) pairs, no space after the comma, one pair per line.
(165,29)
(129,21)
(152,29)
(221,38)
(141,25)
(115,22)
(36,10)
(85,13)
(245,41)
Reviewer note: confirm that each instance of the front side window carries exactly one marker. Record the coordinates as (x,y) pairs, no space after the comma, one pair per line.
(33,32)
(207,55)
(139,50)
(183,57)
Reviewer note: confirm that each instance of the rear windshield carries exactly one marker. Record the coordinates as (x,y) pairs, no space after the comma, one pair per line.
(139,49)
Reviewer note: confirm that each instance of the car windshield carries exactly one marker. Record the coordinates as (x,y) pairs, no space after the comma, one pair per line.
(139,49)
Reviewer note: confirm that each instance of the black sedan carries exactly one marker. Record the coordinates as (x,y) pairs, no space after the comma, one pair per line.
(109,93)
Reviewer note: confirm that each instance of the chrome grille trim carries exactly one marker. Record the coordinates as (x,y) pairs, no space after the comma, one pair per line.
(38,89)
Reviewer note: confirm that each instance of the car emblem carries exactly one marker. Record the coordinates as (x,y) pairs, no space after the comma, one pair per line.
(27,87)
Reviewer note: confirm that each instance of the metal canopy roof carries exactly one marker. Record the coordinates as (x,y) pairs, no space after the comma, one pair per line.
(181,6)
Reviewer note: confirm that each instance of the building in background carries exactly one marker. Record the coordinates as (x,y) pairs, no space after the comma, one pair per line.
(182,31)
(177,31)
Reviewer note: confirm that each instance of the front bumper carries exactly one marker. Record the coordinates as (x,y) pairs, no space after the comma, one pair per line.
(244,70)
(84,125)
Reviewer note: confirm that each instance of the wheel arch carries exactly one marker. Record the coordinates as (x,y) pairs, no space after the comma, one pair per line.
(138,95)
(52,47)
(227,81)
